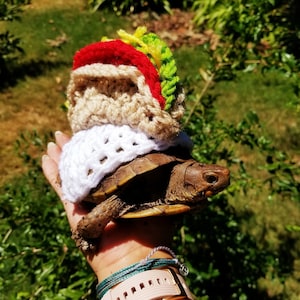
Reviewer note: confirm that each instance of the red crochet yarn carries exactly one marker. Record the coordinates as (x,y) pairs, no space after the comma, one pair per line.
(118,53)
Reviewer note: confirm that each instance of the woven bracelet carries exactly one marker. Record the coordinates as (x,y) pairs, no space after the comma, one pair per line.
(144,265)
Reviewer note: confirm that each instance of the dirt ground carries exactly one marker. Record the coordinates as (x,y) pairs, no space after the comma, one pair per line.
(25,117)
(46,4)
(28,115)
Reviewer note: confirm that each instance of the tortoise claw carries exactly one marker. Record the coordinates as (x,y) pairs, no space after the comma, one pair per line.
(87,247)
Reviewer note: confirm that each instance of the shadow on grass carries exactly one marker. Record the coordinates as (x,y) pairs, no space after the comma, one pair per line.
(11,73)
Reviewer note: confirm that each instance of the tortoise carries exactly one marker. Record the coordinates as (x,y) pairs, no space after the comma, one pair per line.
(155,184)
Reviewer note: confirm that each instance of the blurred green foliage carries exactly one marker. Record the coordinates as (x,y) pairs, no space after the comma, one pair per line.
(38,259)
(121,7)
(10,10)
(258,29)
(225,261)
(257,33)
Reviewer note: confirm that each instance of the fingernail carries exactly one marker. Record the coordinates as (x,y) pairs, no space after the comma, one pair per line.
(57,133)
(45,157)
(50,145)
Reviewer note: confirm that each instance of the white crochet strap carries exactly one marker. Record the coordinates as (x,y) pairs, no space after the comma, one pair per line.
(93,153)
(152,284)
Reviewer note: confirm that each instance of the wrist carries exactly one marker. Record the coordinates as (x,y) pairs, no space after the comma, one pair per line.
(126,243)
(150,278)
(122,256)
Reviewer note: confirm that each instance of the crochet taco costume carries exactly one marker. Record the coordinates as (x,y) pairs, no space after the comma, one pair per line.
(127,154)
(124,100)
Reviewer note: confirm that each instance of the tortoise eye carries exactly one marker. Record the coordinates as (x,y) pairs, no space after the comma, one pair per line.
(211,178)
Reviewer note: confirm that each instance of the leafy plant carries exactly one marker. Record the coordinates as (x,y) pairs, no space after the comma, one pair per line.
(36,248)
(122,7)
(224,259)
(10,9)
(255,32)
(9,45)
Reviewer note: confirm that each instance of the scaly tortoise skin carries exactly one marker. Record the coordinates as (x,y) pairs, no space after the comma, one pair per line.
(155,184)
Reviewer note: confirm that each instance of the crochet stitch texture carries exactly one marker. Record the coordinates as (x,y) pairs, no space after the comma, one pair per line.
(161,56)
(124,101)
(93,153)
(118,53)
(108,94)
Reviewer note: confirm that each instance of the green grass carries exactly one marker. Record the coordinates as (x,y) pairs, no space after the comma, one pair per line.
(40,76)
(270,95)
(76,28)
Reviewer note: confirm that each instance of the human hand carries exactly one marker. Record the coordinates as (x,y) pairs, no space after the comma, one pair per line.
(122,243)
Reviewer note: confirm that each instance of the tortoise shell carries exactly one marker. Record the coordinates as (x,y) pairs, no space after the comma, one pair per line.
(155,184)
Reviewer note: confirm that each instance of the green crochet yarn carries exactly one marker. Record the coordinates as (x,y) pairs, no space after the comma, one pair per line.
(162,58)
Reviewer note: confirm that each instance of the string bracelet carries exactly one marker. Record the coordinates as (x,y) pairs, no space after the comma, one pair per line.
(144,265)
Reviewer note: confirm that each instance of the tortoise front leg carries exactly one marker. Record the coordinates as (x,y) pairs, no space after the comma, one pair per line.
(91,226)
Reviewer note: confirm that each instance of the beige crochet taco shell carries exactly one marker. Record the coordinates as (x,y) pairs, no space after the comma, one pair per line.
(108,94)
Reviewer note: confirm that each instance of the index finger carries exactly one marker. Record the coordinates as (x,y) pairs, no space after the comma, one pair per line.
(50,163)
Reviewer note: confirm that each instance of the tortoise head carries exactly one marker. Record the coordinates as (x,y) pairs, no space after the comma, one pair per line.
(192,182)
